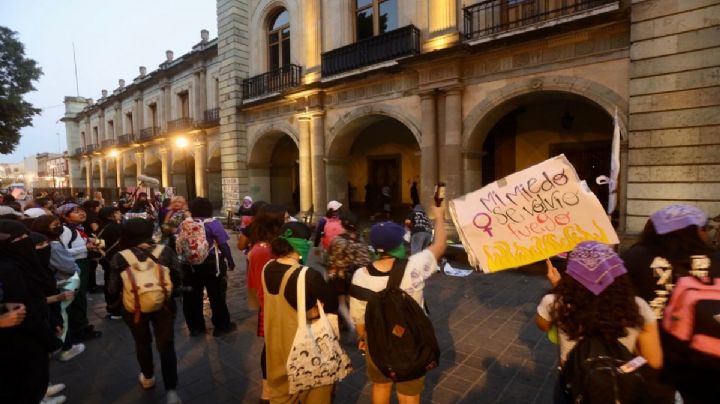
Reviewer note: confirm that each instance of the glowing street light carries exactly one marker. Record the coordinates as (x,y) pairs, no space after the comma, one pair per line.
(181,142)
(113,153)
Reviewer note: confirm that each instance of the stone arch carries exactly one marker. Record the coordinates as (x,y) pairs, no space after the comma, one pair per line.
(259,20)
(272,164)
(351,122)
(486,114)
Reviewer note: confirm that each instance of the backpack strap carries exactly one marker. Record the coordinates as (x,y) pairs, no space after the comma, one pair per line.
(360,293)
(397,272)
(73,236)
(132,260)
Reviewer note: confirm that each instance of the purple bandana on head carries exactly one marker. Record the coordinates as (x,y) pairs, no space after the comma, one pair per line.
(676,217)
(594,265)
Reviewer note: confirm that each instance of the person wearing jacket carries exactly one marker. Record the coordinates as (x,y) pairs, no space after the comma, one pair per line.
(109,231)
(137,237)
(76,241)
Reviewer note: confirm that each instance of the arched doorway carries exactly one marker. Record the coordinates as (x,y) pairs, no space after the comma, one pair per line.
(531,128)
(274,172)
(370,154)
(183,175)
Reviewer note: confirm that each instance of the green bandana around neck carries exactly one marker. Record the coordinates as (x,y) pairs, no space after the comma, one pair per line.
(397,252)
(300,245)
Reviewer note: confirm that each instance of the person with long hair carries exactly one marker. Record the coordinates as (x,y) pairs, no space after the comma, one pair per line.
(595,298)
(264,229)
(670,239)
(110,232)
(279,282)
(210,275)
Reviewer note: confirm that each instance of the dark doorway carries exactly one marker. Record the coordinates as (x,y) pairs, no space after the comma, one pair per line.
(591,160)
(385,171)
(190,177)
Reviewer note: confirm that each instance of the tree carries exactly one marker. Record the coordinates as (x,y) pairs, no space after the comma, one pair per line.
(16,76)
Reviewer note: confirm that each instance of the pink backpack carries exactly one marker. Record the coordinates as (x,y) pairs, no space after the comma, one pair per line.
(333,227)
(693,314)
(191,243)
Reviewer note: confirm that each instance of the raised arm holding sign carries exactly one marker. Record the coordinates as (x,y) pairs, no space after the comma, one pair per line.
(529,216)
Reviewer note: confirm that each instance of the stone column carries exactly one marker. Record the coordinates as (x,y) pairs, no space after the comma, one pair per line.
(101,128)
(305,166)
(450,160)
(101,167)
(428,152)
(119,174)
(312,28)
(138,116)
(200,155)
(317,150)
(139,163)
(165,166)
(472,170)
(119,124)
(199,93)
(442,15)
(165,110)
(88,172)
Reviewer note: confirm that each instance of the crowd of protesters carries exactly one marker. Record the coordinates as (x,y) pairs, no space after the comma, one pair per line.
(51,249)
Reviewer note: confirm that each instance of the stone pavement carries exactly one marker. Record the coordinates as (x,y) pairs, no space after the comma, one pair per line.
(491,350)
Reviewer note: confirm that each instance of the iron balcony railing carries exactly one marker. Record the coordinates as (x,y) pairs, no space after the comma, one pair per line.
(180,124)
(78,151)
(125,139)
(90,148)
(275,81)
(107,143)
(211,117)
(391,45)
(497,16)
(149,133)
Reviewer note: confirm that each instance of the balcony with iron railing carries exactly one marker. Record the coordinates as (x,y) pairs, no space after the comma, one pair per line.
(211,117)
(78,151)
(90,148)
(272,82)
(107,143)
(180,124)
(149,133)
(391,45)
(497,17)
(125,139)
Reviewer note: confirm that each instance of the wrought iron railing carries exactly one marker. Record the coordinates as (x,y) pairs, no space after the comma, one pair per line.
(125,139)
(78,151)
(496,16)
(403,41)
(211,117)
(180,124)
(90,148)
(275,81)
(149,133)
(108,143)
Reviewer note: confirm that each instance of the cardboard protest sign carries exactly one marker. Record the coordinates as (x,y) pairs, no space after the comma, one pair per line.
(528,216)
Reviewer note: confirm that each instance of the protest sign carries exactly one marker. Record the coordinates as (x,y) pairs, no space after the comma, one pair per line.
(528,216)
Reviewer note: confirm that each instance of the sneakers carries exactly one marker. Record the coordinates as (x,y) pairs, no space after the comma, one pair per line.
(112,317)
(146,383)
(54,400)
(76,350)
(53,389)
(172,397)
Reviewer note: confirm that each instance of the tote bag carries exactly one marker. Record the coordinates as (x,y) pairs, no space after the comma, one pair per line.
(316,357)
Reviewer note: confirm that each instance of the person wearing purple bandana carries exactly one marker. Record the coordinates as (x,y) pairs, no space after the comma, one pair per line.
(671,240)
(595,299)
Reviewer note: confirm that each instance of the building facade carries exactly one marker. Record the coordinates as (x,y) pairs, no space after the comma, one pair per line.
(340,99)
(165,124)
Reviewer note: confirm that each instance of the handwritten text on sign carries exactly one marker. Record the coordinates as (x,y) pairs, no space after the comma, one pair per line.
(528,216)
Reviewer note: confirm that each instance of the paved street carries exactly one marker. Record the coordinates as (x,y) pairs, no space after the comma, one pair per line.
(491,350)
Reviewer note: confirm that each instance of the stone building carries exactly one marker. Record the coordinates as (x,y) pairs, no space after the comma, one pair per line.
(344,98)
(338,99)
(164,124)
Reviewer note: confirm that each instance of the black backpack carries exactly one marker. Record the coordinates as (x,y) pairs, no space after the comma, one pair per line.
(592,374)
(400,337)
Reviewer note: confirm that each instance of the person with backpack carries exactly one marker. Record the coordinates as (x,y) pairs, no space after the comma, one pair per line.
(379,292)
(76,241)
(331,216)
(673,241)
(202,247)
(145,275)
(347,252)
(601,325)
(279,281)
(420,229)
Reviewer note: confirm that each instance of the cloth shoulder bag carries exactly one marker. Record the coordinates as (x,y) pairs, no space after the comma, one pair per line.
(316,357)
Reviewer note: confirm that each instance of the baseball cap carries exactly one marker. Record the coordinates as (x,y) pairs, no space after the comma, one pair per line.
(334,205)
(387,237)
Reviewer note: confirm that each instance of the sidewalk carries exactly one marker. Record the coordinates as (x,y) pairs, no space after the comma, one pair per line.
(491,350)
